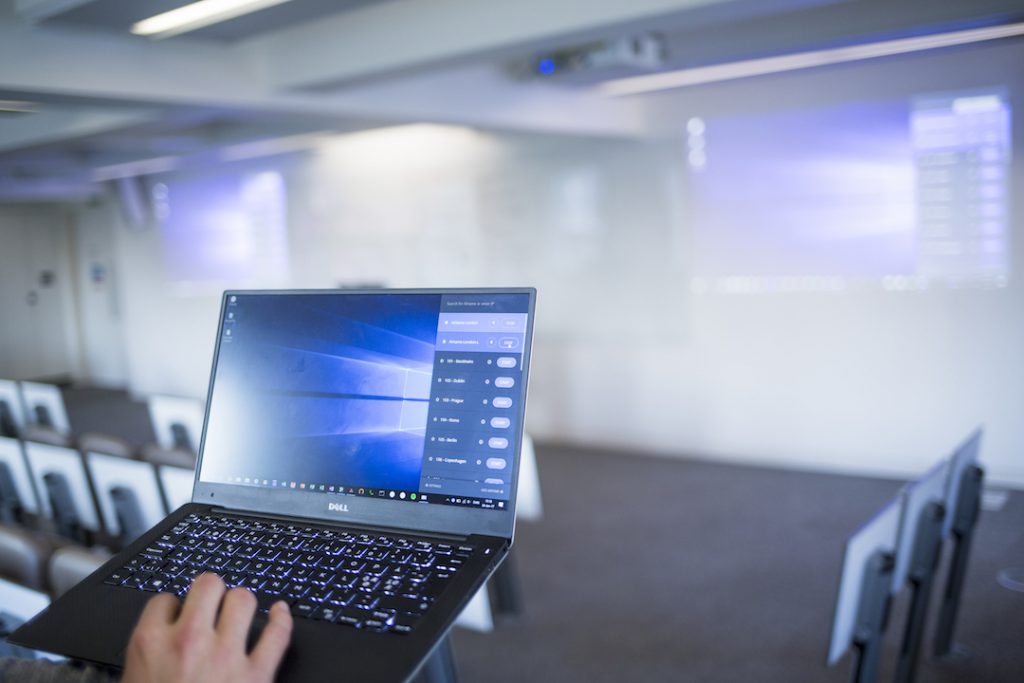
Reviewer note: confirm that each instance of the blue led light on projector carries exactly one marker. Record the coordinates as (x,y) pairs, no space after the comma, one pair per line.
(546,67)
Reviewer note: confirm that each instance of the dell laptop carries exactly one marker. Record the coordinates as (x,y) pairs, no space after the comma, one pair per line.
(359,459)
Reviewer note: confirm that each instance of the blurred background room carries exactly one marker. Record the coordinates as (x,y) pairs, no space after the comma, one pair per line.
(779,267)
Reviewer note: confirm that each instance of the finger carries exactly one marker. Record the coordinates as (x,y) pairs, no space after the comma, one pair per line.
(203,600)
(273,642)
(159,611)
(236,616)
(154,624)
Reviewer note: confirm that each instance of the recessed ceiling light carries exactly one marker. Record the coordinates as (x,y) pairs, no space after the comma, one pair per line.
(198,15)
(18,106)
(132,169)
(701,75)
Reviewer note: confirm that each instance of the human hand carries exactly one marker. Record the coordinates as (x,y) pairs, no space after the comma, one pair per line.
(174,643)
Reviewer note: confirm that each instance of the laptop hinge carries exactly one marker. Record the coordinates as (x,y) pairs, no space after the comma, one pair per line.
(340,524)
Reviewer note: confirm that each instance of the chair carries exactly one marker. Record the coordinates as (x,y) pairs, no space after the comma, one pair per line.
(69,565)
(128,494)
(95,442)
(64,491)
(529,504)
(8,425)
(12,417)
(22,557)
(47,435)
(12,511)
(177,422)
(175,457)
(44,407)
(18,604)
(505,584)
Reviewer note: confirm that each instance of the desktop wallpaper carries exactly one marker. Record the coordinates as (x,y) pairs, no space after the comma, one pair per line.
(322,390)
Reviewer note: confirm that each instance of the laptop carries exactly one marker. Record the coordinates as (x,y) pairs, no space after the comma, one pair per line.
(359,459)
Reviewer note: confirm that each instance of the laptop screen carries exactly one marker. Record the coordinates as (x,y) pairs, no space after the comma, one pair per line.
(413,397)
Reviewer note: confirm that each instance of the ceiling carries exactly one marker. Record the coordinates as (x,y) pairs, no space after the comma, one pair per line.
(103,96)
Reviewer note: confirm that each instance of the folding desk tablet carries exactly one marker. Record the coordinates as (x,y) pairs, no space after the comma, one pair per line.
(963,505)
(358,460)
(865,587)
(964,458)
(917,558)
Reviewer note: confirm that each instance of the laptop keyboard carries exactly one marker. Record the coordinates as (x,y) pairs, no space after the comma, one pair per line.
(369,581)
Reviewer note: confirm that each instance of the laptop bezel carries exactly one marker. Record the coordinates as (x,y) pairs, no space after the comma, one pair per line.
(357,510)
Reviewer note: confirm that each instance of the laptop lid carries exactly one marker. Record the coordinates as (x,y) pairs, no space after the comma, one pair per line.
(396,408)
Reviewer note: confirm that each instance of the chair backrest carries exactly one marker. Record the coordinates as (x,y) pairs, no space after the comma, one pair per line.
(69,565)
(128,494)
(44,406)
(40,434)
(21,557)
(12,416)
(65,494)
(12,511)
(18,604)
(176,485)
(17,491)
(8,426)
(177,422)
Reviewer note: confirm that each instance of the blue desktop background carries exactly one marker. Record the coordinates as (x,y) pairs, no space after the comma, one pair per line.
(323,390)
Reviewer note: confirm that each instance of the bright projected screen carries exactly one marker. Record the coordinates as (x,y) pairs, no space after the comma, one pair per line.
(224,230)
(904,194)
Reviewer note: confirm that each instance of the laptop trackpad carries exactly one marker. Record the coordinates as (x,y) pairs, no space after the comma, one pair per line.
(255,630)
(258,623)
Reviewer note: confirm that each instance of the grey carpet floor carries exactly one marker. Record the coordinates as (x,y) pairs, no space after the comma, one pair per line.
(649,569)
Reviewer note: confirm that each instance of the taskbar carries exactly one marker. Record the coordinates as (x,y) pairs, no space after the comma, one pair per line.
(367,492)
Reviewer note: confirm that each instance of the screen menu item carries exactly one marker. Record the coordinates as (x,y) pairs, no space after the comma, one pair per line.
(405,396)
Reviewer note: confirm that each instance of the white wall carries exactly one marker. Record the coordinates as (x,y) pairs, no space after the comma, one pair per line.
(97,296)
(430,206)
(38,328)
(168,334)
(863,381)
(626,355)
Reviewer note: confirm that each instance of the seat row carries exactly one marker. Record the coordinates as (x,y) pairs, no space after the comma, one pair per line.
(33,569)
(87,497)
(35,411)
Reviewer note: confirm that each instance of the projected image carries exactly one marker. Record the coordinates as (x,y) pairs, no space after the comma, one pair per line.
(224,230)
(905,195)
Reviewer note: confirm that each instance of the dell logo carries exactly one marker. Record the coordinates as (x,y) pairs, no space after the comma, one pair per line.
(337,507)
